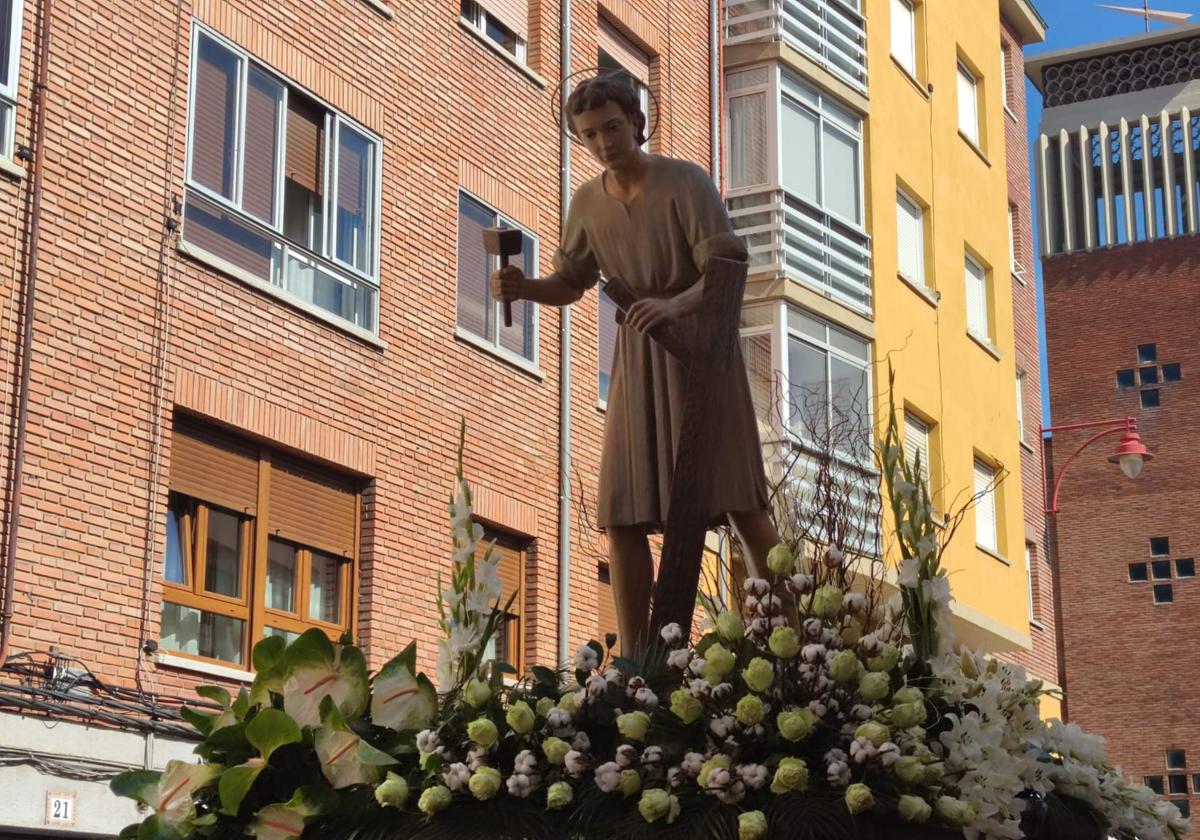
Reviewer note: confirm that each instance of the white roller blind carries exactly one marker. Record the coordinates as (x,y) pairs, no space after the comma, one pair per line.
(748,146)
(1021,405)
(801,129)
(514,14)
(839,169)
(1012,239)
(968,110)
(985,506)
(910,240)
(916,444)
(977,305)
(1029,579)
(904,29)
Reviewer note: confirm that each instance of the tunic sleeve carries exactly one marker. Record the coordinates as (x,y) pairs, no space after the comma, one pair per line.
(575,261)
(705,222)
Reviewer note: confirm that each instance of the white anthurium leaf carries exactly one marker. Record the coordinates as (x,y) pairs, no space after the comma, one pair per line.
(402,701)
(172,798)
(277,822)
(338,752)
(315,668)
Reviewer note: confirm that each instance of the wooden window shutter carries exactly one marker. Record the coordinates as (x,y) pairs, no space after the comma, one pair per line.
(214,120)
(512,14)
(214,467)
(606,609)
(612,41)
(305,143)
(312,506)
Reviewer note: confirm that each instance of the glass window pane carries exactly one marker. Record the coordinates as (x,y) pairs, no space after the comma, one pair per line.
(287,635)
(214,117)
(200,633)
(1185,567)
(1160,546)
(1125,378)
(850,406)
(281,576)
(1172,372)
(519,337)
(1138,572)
(903,41)
(7,61)
(354,301)
(304,171)
(809,390)
(6,115)
(223,557)
(264,99)
(355,199)
(800,163)
(324,603)
(1161,569)
(968,115)
(1148,375)
(1163,593)
(207,226)
(1148,353)
(748,147)
(178,545)
(839,164)
(474,300)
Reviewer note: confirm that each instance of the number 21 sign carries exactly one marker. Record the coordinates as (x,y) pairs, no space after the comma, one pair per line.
(60,808)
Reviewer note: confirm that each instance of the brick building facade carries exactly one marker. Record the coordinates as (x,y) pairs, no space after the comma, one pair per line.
(1121,298)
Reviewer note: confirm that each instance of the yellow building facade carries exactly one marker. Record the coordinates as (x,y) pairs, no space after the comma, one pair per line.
(876,209)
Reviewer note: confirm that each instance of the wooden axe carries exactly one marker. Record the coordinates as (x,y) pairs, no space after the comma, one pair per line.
(504,242)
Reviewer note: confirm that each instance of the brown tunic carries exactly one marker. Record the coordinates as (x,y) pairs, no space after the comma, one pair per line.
(658,245)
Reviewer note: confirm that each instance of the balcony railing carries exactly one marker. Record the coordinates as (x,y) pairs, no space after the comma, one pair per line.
(787,235)
(830,32)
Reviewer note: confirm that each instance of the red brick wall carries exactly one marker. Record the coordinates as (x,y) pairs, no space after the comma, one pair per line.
(1131,665)
(1041,661)
(91,516)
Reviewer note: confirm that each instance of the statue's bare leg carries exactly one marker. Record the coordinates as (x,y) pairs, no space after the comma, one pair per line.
(758,536)
(631,570)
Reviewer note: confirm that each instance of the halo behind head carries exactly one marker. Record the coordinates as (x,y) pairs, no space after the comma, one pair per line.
(597,87)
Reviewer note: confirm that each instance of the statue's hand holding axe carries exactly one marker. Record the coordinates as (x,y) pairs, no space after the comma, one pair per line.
(505,242)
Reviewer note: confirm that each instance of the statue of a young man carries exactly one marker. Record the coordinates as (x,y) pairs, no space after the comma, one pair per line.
(653,222)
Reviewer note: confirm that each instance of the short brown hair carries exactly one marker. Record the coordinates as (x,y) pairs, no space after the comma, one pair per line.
(594,92)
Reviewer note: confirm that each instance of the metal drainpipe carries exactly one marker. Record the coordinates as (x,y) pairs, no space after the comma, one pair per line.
(714,87)
(35,218)
(564,383)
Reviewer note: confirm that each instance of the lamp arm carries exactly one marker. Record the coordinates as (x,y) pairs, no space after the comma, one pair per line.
(1053,509)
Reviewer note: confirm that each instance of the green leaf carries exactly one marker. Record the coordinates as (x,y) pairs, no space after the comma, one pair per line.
(545,676)
(155,828)
(610,640)
(504,667)
(236,782)
(400,700)
(268,653)
(286,821)
(202,722)
(214,693)
(136,784)
(242,704)
(314,670)
(271,729)
(267,680)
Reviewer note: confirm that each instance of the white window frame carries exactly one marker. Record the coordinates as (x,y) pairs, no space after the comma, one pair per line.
(9,86)
(980,294)
(971,128)
(493,345)
(905,10)
(326,259)
(813,100)
(1020,405)
(986,503)
(906,204)
(477,17)
(1004,91)
(1029,581)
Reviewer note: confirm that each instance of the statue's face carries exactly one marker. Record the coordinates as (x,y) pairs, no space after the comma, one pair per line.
(608,134)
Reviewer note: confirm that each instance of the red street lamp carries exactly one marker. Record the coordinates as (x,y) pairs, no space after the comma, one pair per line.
(1130,453)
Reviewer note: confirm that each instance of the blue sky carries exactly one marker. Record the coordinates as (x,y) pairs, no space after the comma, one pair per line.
(1071,23)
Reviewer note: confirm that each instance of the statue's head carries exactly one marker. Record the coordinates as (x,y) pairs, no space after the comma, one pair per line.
(606,114)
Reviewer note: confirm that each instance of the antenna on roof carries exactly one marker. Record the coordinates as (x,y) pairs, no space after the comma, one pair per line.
(1147,14)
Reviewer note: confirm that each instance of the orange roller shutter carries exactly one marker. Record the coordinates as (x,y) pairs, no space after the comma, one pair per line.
(213,467)
(514,14)
(312,506)
(305,136)
(612,41)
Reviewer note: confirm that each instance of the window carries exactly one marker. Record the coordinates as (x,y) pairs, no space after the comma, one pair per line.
(1021,405)
(479,314)
(1196,783)
(986,536)
(618,56)
(916,446)
(968,104)
(608,343)
(10,53)
(824,139)
(508,644)
(222,590)
(904,35)
(504,23)
(1014,228)
(978,320)
(1177,785)
(1029,555)
(1005,93)
(280,187)
(829,386)
(1184,806)
(1126,379)
(910,240)
(1155,783)
(1185,567)
(1138,572)
(1163,594)
(1160,570)
(1147,353)
(1160,546)
(1171,372)
(1150,398)
(1148,375)
(1176,759)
